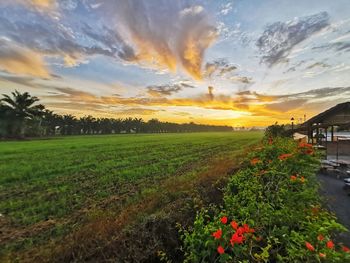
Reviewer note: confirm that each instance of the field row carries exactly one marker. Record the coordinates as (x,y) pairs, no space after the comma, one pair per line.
(52,180)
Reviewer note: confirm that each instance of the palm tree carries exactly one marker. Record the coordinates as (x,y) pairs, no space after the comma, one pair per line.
(68,124)
(20,108)
(50,122)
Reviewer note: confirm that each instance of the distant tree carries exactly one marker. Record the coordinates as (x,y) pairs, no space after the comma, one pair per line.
(68,124)
(19,109)
(50,121)
(87,123)
(21,116)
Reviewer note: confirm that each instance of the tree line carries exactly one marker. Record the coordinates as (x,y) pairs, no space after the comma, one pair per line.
(22,116)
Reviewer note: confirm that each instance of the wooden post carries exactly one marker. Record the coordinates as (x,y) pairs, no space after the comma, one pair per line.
(326,143)
(332,134)
(312,134)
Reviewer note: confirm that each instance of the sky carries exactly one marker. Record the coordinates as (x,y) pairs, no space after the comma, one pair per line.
(234,62)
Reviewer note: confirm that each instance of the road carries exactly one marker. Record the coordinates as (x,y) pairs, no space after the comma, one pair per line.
(337,201)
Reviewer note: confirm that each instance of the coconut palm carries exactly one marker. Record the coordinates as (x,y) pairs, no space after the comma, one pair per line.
(20,108)
(69,126)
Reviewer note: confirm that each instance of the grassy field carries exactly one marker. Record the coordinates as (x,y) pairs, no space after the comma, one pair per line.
(50,190)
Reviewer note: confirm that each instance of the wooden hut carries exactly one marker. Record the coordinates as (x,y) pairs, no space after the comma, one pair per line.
(337,116)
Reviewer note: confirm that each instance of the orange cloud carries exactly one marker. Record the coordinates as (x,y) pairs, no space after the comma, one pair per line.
(43,3)
(171,36)
(243,109)
(18,60)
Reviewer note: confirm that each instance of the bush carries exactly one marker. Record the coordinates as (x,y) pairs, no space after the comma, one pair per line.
(272,213)
(277,130)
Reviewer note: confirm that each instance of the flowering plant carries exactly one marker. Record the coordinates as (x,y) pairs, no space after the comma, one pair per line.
(271,213)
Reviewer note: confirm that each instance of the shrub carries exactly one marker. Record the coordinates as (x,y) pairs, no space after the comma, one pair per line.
(277,130)
(272,213)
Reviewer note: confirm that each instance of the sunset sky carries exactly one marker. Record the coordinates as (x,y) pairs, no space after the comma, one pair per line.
(238,63)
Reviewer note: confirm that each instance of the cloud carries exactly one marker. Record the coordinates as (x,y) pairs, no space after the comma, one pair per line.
(277,104)
(257,106)
(287,105)
(138,111)
(41,4)
(337,46)
(68,96)
(218,67)
(18,60)
(241,79)
(164,34)
(278,39)
(318,65)
(166,90)
(210,92)
(226,8)
(42,34)
(223,69)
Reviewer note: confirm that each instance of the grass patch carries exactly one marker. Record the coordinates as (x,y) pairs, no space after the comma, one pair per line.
(52,191)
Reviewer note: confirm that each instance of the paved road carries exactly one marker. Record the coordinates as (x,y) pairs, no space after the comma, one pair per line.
(337,201)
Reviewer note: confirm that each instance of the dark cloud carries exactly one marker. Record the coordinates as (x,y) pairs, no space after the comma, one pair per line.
(222,68)
(111,39)
(166,90)
(210,92)
(41,33)
(241,79)
(287,105)
(251,96)
(218,67)
(278,39)
(295,66)
(318,65)
(337,46)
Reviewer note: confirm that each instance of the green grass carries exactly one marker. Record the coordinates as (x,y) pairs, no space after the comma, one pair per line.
(52,179)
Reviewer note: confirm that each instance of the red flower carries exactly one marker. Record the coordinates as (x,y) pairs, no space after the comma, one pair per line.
(322,255)
(217,234)
(270,140)
(254,161)
(320,237)
(309,246)
(221,250)
(240,231)
(247,229)
(236,239)
(345,249)
(285,156)
(293,178)
(234,225)
(223,219)
(309,151)
(305,145)
(330,244)
(302,179)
